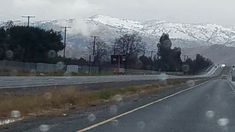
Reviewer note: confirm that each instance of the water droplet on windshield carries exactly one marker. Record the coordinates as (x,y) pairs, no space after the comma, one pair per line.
(52,54)
(33,72)
(15,114)
(91,117)
(185,68)
(141,125)
(60,66)
(47,95)
(191,83)
(13,72)
(210,114)
(113,109)
(223,122)
(9,54)
(44,128)
(67,75)
(163,76)
(117,98)
(115,123)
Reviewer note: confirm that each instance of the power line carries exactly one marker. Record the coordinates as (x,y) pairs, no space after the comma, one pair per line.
(65,39)
(28,17)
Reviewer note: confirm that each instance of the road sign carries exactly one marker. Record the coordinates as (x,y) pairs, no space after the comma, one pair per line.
(118,59)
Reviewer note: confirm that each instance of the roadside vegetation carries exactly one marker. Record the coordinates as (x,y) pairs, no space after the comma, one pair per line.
(55,101)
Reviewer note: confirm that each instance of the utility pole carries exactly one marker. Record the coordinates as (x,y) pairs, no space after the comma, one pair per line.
(65,39)
(93,54)
(28,17)
(152,54)
(94,44)
(114,49)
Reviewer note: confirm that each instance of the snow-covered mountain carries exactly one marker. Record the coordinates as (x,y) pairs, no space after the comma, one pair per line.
(209,33)
(108,28)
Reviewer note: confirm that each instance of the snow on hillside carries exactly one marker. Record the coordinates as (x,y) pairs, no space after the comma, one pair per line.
(108,28)
(210,33)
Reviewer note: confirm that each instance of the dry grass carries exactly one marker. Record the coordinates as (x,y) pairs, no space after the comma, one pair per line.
(56,101)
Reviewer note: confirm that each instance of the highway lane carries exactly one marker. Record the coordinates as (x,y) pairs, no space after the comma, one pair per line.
(35,81)
(207,108)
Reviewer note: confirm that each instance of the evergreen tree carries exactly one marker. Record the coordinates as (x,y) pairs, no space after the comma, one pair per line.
(30,44)
(169,59)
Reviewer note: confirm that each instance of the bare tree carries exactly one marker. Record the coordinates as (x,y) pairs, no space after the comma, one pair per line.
(101,51)
(131,46)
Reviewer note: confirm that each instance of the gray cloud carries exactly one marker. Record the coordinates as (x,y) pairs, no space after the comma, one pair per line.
(192,11)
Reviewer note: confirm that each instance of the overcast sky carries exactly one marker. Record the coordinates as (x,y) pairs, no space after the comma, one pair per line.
(186,11)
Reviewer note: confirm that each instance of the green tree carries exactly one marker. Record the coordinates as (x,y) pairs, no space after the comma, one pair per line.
(198,65)
(168,59)
(2,42)
(31,44)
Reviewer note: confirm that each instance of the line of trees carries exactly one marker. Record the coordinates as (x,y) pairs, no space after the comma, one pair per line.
(167,58)
(31,44)
(197,65)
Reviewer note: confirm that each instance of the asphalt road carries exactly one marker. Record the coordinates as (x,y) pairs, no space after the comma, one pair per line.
(33,81)
(207,108)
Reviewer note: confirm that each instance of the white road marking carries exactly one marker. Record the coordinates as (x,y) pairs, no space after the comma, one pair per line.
(139,108)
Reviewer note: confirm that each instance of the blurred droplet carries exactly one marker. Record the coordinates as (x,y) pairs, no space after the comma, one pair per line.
(113,109)
(41,74)
(52,54)
(117,98)
(115,123)
(44,128)
(167,108)
(13,72)
(9,54)
(163,77)
(15,114)
(91,117)
(67,74)
(47,96)
(223,122)
(141,125)
(191,83)
(33,72)
(185,68)
(210,114)
(60,66)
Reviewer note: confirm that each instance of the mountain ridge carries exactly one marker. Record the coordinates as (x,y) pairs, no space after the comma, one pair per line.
(183,35)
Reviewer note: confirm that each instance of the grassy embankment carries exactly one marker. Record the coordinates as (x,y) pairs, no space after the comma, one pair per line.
(55,101)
